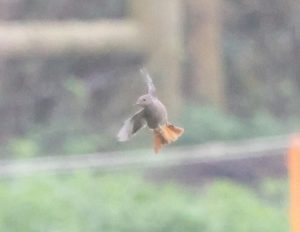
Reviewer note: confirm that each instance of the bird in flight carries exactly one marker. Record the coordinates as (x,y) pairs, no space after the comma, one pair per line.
(152,114)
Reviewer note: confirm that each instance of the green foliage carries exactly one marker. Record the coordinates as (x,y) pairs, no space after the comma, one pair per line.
(77,88)
(85,202)
(205,123)
(23,148)
(201,123)
(81,144)
(275,191)
(247,212)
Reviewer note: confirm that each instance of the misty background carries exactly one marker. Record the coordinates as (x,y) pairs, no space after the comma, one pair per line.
(69,76)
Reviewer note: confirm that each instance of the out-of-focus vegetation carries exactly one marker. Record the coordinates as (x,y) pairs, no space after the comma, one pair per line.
(86,202)
(202,124)
(206,123)
(76,104)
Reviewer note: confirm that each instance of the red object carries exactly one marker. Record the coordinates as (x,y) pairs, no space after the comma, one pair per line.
(294,174)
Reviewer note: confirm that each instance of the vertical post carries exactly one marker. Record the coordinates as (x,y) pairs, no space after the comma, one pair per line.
(294,174)
(204,49)
(161,22)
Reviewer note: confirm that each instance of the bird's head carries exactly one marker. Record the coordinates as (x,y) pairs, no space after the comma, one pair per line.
(144,100)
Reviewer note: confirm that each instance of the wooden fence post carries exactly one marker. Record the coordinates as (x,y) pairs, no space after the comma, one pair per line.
(161,22)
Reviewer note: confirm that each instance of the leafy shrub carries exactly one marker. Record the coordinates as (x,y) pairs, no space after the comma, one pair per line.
(205,123)
(23,147)
(85,202)
(201,123)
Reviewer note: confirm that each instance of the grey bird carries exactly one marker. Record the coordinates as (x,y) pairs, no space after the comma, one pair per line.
(152,114)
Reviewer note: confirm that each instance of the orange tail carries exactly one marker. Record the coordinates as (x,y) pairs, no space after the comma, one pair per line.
(165,135)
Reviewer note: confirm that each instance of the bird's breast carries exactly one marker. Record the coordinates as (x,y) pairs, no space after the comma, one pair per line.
(155,115)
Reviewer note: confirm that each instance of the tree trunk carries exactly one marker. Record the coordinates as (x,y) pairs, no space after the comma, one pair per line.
(207,82)
(161,22)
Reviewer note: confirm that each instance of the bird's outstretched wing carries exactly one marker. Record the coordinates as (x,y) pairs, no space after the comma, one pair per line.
(151,87)
(131,126)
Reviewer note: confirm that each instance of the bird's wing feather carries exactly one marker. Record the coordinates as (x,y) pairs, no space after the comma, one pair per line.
(131,126)
(150,85)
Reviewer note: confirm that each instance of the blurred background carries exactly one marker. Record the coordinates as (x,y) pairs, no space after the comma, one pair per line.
(228,73)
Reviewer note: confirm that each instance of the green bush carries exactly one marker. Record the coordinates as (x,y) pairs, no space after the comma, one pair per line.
(206,123)
(23,148)
(202,124)
(85,202)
